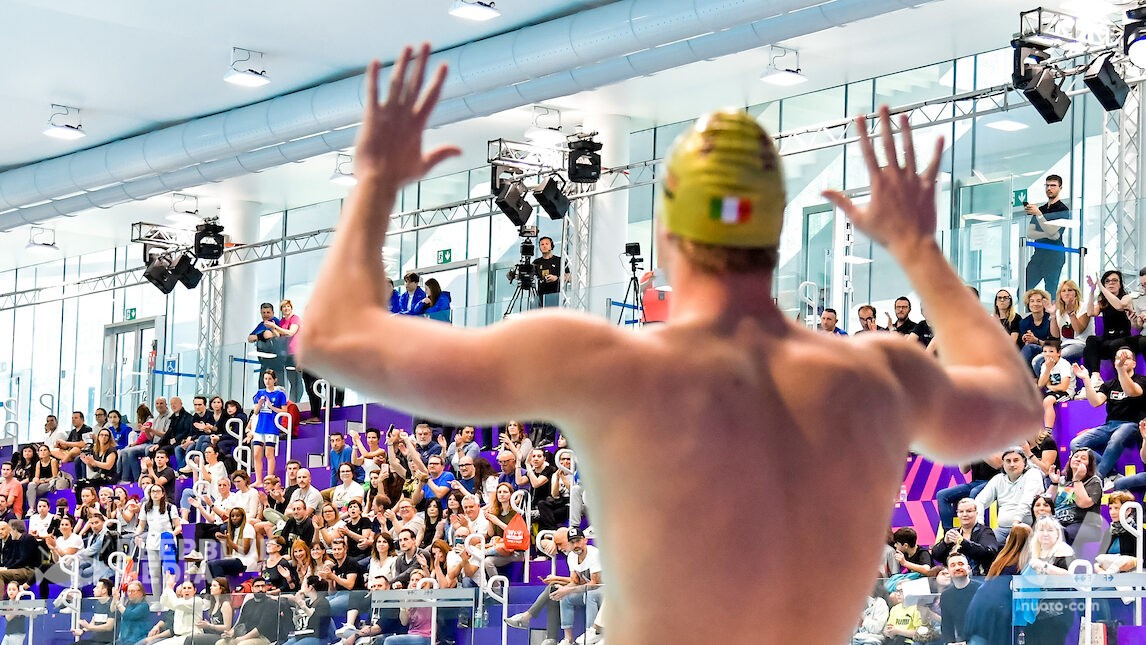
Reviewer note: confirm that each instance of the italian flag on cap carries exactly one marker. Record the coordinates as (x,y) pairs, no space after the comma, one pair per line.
(730,210)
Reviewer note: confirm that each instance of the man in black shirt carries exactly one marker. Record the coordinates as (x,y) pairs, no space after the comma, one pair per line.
(345,581)
(549,272)
(259,616)
(1045,265)
(69,449)
(179,430)
(1124,409)
(298,525)
(902,323)
(956,598)
(359,532)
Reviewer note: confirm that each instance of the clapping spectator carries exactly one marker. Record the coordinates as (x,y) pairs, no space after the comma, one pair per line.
(1123,396)
(219,614)
(239,551)
(1112,305)
(1078,497)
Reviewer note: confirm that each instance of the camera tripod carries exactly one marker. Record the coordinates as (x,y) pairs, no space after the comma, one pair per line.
(633,291)
(524,296)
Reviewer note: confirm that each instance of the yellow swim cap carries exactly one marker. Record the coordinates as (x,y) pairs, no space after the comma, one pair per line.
(723,183)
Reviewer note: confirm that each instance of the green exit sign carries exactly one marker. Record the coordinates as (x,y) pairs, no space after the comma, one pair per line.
(445,256)
(129,314)
(1018,197)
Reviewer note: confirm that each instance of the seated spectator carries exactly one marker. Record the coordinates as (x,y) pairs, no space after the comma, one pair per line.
(1074,322)
(1049,554)
(435,525)
(903,621)
(901,324)
(1136,482)
(436,304)
(1078,496)
(867,315)
(120,430)
(463,445)
(583,587)
(301,560)
(344,579)
(369,456)
(553,510)
(536,476)
(219,614)
(22,461)
(68,449)
(409,558)
(1119,539)
(1123,396)
(828,321)
(874,618)
(185,610)
(1043,506)
(1015,489)
(99,626)
(19,553)
(160,470)
(276,569)
(347,489)
(231,410)
(358,531)
(315,609)
(1056,380)
(500,514)
(328,526)
(134,618)
(340,453)
(211,471)
(485,480)
(955,600)
(1038,326)
(239,551)
(436,483)
(973,539)
(46,476)
(298,525)
(514,440)
(382,558)
(410,300)
(545,601)
(908,554)
(1008,317)
(418,620)
(1112,305)
(99,543)
(1043,455)
(980,472)
(100,462)
(139,445)
(258,619)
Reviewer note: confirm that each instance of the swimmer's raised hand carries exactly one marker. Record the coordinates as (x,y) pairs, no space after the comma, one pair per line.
(389,145)
(901,212)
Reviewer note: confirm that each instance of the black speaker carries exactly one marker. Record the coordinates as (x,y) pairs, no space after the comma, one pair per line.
(1106,84)
(511,200)
(1047,97)
(549,196)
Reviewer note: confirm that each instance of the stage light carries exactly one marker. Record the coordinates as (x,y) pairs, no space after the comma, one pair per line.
(474,10)
(185,271)
(1028,64)
(159,274)
(551,198)
(64,123)
(1106,84)
(209,240)
(511,200)
(783,74)
(1134,36)
(344,171)
(1047,97)
(584,162)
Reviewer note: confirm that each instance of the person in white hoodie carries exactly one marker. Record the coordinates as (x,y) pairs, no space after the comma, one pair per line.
(1015,489)
(185,608)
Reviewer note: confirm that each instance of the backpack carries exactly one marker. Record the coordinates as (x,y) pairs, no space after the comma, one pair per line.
(295,418)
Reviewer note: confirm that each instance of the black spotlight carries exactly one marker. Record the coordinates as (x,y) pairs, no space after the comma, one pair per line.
(1047,97)
(584,162)
(1028,64)
(209,241)
(550,197)
(1106,84)
(511,200)
(158,273)
(186,272)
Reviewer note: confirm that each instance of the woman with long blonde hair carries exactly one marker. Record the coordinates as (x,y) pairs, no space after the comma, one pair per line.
(988,618)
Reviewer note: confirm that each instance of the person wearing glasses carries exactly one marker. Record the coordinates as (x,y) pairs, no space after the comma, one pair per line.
(867,319)
(1007,316)
(1045,265)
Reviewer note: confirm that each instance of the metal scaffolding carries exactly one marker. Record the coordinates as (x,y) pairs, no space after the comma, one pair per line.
(1121,161)
(210,331)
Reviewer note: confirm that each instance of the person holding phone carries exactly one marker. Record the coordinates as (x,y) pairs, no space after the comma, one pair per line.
(1045,265)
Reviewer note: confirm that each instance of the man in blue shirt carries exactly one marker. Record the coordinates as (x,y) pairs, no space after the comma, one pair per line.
(412,297)
(339,454)
(265,339)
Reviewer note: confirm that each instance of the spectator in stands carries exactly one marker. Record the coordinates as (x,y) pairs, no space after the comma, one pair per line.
(370,456)
(545,601)
(67,543)
(980,473)
(275,502)
(86,505)
(1038,326)
(1015,489)
(1049,554)
(584,586)
(902,324)
(184,610)
(130,456)
(53,433)
(1119,539)
(46,476)
(436,304)
(160,470)
(828,321)
(874,618)
(508,464)
(463,445)
(268,348)
(903,620)
(988,617)
(973,539)
(342,580)
(258,619)
(1074,321)
(347,489)
(1136,482)
(1044,453)
(437,484)
(159,517)
(409,558)
(418,620)
(301,560)
(68,448)
(1078,497)
(298,524)
(409,300)
(98,544)
(908,554)
(11,490)
(485,480)
(239,551)
(1112,305)
(327,523)
(1007,315)
(134,616)
(269,401)
(120,430)
(210,473)
(499,515)
(161,420)
(358,531)
(310,496)
(1125,407)
(219,614)
(923,334)
(285,329)
(19,553)
(340,453)
(231,410)
(435,525)
(516,442)
(424,442)
(536,475)
(23,458)
(405,517)
(382,558)
(1056,381)
(210,423)
(179,430)
(1043,506)
(315,609)
(553,510)
(101,628)
(867,319)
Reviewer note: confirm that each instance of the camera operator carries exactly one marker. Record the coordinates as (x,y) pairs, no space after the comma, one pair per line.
(549,274)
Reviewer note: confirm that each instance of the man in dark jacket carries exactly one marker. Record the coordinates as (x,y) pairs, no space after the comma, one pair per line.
(19,553)
(974,539)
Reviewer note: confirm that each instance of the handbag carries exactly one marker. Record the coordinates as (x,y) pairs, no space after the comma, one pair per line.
(517,534)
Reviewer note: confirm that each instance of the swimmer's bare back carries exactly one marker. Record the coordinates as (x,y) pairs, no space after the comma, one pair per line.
(741,469)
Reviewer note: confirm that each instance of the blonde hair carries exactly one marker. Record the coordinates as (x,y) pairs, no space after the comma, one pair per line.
(1069,285)
(286,302)
(1059,548)
(1027,296)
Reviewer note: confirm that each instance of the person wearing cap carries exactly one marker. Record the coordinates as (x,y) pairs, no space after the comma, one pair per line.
(1015,489)
(727,360)
(584,586)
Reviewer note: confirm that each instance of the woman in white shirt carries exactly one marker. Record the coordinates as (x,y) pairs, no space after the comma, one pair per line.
(239,552)
(382,559)
(159,517)
(185,609)
(347,489)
